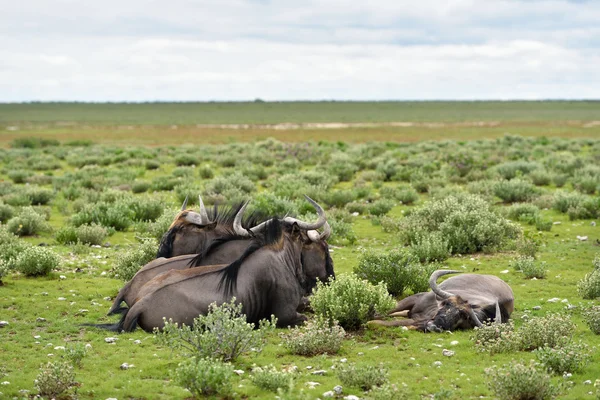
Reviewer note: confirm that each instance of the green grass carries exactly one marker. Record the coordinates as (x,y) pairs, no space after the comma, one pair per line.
(409,355)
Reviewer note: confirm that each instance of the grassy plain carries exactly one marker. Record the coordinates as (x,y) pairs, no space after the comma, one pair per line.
(28,342)
(156,124)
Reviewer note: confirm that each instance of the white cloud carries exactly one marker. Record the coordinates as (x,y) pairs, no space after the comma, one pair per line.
(285,50)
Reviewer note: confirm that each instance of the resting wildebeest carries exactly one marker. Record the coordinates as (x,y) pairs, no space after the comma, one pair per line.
(226,249)
(460,302)
(269,278)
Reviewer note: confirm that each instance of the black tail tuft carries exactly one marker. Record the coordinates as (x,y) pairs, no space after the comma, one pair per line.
(118,327)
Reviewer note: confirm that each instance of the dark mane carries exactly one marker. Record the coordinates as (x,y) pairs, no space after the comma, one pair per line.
(165,248)
(213,246)
(271,235)
(225,214)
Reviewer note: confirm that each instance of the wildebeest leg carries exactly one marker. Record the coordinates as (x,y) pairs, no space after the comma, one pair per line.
(288,316)
(304,305)
(400,314)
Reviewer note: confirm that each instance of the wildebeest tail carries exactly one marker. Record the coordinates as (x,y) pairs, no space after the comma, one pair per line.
(270,235)
(118,327)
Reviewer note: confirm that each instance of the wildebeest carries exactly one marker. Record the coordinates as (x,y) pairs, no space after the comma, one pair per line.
(269,278)
(227,248)
(460,302)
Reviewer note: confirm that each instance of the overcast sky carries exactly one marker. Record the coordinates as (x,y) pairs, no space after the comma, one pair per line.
(136,50)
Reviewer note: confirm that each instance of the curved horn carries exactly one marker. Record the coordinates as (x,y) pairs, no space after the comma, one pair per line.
(474,318)
(315,236)
(306,225)
(433,285)
(194,218)
(237,222)
(203,212)
(184,205)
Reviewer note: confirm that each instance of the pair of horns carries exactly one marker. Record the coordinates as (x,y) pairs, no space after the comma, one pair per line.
(312,233)
(445,295)
(198,219)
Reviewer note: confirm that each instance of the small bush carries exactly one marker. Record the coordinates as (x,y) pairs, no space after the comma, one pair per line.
(363,377)
(36,260)
(591,317)
(524,212)
(563,201)
(28,222)
(206,172)
(10,247)
(158,228)
(75,352)
(129,262)
(38,196)
(351,301)
(270,204)
(222,333)
(529,267)
(540,178)
(550,330)
(4,270)
(19,176)
(515,191)
(66,235)
(91,234)
(569,357)
(186,160)
(589,286)
(496,338)
(140,186)
(54,379)
(339,198)
(145,208)
(512,169)
(164,183)
(398,269)
(118,215)
(430,248)
(528,246)
(317,336)
(6,212)
(151,164)
(205,377)
(380,207)
(518,381)
(269,378)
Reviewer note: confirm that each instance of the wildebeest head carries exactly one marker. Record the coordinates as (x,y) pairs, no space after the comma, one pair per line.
(192,232)
(316,260)
(453,311)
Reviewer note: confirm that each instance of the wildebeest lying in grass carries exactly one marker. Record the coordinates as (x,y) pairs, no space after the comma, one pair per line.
(460,302)
(270,278)
(222,246)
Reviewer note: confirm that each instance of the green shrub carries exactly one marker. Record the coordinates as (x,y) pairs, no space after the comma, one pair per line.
(117,215)
(28,222)
(540,177)
(512,169)
(17,199)
(159,227)
(338,198)
(317,336)
(54,379)
(341,166)
(205,377)
(528,246)
(398,269)
(524,212)
(391,224)
(515,190)
(407,195)
(542,224)
(569,357)
(222,333)
(33,143)
(269,378)
(267,203)
(36,260)
(517,381)
(430,248)
(550,330)
(66,235)
(140,186)
(563,201)
(591,317)
(4,270)
(380,207)
(19,176)
(38,196)
(10,247)
(151,164)
(589,286)
(129,262)
(206,172)
(356,207)
(91,234)
(144,208)
(40,180)
(226,185)
(186,159)
(529,267)
(467,222)
(342,233)
(351,301)
(75,352)
(6,212)
(496,338)
(164,183)
(559,180)
(363,377)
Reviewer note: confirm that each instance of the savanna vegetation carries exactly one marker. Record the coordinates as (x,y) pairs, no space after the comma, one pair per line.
(79,218)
